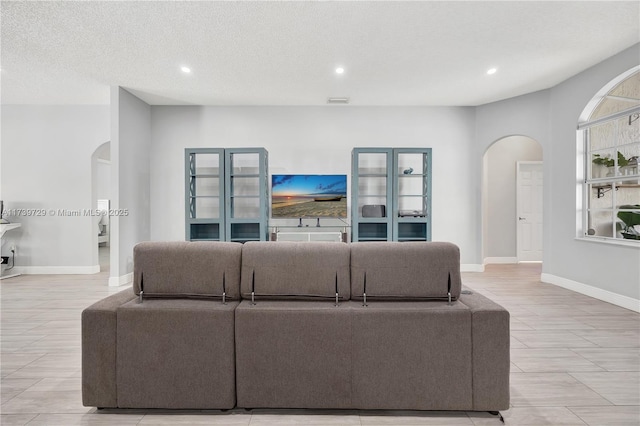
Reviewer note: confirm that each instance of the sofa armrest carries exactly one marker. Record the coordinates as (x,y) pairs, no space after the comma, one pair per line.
(99,350)
(491,357)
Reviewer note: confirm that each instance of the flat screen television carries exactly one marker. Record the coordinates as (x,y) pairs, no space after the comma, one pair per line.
(300,196)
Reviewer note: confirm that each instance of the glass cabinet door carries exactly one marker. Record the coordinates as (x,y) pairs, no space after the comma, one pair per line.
(244,185)
(246,171)
(204,190)
(371,194)
(412,185)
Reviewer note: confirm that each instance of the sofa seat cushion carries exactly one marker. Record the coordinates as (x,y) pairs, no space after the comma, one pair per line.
(411,356)
(405,270)
(293,354)
(295,270)
(187,269)
(176,354)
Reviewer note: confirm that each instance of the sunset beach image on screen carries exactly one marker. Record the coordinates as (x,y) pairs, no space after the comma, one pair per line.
(296,196)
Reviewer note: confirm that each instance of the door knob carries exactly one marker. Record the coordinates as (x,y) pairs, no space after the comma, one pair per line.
(522,218)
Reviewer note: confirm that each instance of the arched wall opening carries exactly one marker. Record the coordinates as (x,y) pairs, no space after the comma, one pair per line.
(100,201)
(499,195)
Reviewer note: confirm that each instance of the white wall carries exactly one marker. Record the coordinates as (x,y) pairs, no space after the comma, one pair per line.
(500,234)
(103,179)
(46,164)
(607,271)
(319,140)
(130,148)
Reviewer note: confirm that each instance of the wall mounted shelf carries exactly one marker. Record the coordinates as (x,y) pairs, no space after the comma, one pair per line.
(604,188)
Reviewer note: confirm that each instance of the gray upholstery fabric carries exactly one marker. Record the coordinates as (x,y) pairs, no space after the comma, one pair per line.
(405,270)
(295,270)
(176,354)
(491,362)
(187,268)
(402,351)
(99,350)
(293,354)
(411,355)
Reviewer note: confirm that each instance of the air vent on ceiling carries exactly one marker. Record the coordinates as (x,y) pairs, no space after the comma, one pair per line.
(342,101)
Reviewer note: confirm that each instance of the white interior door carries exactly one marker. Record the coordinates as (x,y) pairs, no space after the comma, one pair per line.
(529,210)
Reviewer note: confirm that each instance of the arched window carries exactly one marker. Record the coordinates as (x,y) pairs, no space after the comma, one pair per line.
(611,147)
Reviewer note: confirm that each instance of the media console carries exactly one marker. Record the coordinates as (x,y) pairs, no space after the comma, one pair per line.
(336,233)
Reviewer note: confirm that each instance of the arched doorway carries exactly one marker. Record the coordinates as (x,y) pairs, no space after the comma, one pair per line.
(100,200)
(511,197)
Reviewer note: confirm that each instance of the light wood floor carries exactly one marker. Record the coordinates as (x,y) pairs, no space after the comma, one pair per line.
(575,360)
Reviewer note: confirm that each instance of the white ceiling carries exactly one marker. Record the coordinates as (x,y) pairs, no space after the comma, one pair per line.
(285,53)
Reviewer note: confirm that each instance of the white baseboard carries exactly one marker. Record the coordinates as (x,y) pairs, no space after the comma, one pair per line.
(471,267)
(595,292)
(57,270)
(121,280)
(488,260)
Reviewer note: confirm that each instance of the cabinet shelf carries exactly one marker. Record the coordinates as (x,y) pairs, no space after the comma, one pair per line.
(372,219)
(244,175)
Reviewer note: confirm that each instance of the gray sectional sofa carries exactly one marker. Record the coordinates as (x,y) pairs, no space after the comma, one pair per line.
(215,325)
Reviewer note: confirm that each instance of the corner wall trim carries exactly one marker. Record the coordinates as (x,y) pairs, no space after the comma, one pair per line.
(471,267)
(121,280)
(58,270)
(597,293)
(488,260)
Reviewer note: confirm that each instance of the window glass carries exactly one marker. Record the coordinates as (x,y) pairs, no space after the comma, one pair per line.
(612,152)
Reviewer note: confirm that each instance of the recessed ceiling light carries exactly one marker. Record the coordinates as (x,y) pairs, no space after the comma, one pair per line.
(339,70)
(185,70)
(492,71)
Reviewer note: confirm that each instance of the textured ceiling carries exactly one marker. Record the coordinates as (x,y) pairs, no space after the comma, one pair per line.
(285,53)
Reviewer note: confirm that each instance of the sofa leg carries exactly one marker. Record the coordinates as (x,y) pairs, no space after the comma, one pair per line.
(497,413)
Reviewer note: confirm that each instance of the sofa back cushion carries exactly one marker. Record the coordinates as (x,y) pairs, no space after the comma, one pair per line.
(187,269)
(405,270)
(295,270)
